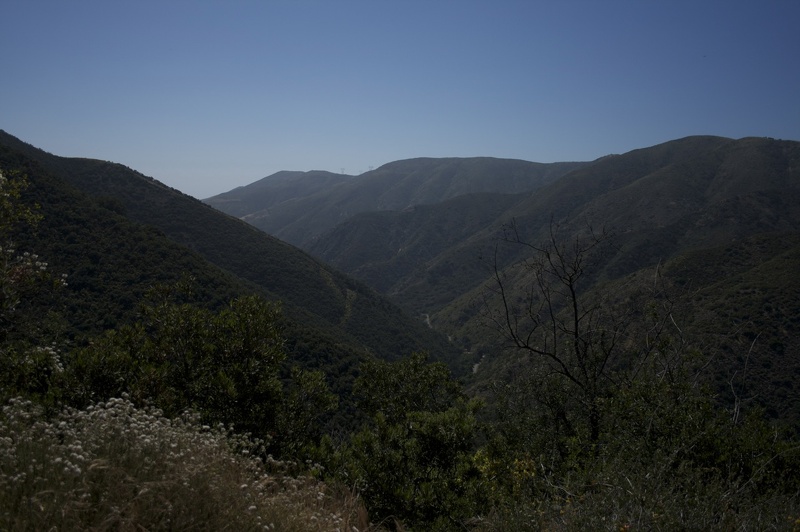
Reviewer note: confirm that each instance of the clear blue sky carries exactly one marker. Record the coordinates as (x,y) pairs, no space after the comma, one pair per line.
(209,95)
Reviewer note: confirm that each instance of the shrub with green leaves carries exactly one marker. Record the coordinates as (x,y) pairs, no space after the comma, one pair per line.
(412,461)
(225,365)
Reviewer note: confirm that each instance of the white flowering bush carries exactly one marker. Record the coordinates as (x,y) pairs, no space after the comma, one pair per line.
(25,367)
(113,466)
(17,270)
(109,465)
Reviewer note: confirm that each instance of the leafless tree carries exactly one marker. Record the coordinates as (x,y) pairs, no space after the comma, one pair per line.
(581,336)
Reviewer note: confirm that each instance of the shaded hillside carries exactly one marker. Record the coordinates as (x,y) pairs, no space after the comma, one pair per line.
(344,311)
(745,305)
(686,194)
(660,202)
(388,249)
(396,186)
(736,306)
(110,262)
(256,199)
(691,205)
(690,193)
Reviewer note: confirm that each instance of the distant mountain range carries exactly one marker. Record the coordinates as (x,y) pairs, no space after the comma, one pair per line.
(298,207)
(413,219)
(426,233)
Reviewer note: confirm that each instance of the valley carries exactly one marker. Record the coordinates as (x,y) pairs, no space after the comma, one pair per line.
(435,254)
(454,343)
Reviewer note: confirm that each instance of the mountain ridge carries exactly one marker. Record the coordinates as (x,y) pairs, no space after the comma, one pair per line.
(309,289)
(689,197)
(649,191)
(395,186)
(272,190)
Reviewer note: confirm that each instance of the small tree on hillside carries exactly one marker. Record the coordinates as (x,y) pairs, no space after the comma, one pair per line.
(585,344)
(574,338)
(640,441)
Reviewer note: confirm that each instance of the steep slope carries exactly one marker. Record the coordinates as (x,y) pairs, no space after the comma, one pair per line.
(312,292)
(660,201)
(110,262)
(736,306)
(721,217)
(389,250)
(685,194)
(397,186)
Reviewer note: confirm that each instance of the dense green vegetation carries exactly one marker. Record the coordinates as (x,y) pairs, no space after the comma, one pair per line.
(720,215)
(210,246)
(117,234)
(191,397)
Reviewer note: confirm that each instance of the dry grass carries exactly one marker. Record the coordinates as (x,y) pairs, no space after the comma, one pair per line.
(113,466)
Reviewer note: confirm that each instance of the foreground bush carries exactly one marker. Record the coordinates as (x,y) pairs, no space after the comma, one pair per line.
(113,466)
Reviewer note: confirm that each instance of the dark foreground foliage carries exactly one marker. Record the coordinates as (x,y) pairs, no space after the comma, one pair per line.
(598,435)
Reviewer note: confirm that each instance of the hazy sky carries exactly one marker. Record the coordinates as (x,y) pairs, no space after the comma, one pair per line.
(206,96)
